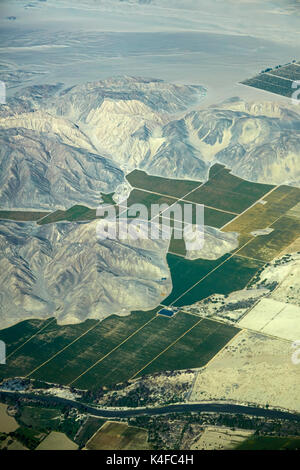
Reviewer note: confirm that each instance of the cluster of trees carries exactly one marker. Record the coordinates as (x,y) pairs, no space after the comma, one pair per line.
(269,69)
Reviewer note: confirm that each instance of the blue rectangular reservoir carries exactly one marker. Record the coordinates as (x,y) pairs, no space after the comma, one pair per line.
(167,312)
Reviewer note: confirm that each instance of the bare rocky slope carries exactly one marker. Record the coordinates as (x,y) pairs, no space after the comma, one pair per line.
(63,270)
(62,146)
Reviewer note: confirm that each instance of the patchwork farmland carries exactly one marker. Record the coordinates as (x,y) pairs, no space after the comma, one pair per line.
(112,351)
(278,80)
(94,354)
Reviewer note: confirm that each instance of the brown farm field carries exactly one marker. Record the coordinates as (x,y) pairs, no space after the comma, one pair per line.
(277,211)
(119,436)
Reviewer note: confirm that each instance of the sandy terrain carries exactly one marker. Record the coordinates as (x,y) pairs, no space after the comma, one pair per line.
(7,423)
(264,231)
(159,388)
(283,274)
(274,318)
(16,445)
(251,369)
(231,307)
(220,438)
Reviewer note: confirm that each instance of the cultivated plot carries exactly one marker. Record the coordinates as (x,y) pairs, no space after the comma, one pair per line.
(17,335)
(276,211)
(46,347)
(42,345)
(278,80)
(169,187)
(195,348)
(94,354)
(267,247)
(22,216)
(270,443)
(227,192)
(57,441)
(214,277)
(92,347)
(119,436)
(186,273)
(212,217)
(134,354)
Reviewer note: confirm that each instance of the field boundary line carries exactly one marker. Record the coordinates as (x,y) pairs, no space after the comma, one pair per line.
(262,81)
(191,202)
(283,252)
(166,349)
(177,254)
(31,337)
(213,270)
(276,315)
(96,432)
(190,192)
(113,350)
(236,325)
(241,330)
(240,256)
(62,350)
(252,205)
(251,258)
(278,76)
(253,238)
(212,359)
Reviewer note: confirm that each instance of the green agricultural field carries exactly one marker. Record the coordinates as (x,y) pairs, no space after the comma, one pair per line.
(38,417)
(215,218)
(18,334)
(108,198)
(292,72)
(212,217)
(22,216)
(186,273)
(270,443)
(227,192)
(169,187)
(94,354)
(276,85)
(75,213)
(177,245)
(98,342)
(231,275)
(138,196)
(194,349)
(135,353)
(42,346)
(114,350)
(89,428)
(262,215)
(267,247)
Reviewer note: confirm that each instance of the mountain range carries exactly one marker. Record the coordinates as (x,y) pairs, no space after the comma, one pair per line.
(64,146)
